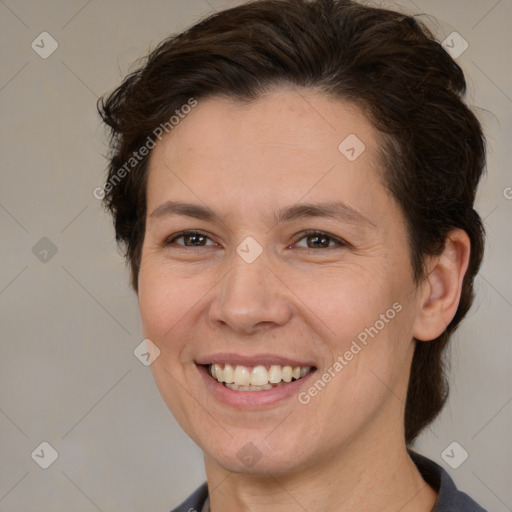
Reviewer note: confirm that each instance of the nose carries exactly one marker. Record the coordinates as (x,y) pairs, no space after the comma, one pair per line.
(251,297)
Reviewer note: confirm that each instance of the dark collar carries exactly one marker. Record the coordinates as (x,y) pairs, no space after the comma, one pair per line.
(450,499)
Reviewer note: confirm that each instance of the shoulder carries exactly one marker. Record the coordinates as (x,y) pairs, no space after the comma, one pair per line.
(450,499)
(195,502)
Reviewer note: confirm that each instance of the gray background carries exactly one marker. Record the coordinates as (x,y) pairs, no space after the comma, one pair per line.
(69,324)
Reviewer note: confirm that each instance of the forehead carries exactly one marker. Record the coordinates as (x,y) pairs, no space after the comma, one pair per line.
(286,145)
(303,120)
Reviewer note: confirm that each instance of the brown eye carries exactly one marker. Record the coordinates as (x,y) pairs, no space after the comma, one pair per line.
(320,240)
(190,239)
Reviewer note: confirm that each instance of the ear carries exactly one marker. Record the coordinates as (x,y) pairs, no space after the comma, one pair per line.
(440,292)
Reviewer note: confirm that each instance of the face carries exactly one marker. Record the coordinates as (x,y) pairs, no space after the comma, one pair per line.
(249,276)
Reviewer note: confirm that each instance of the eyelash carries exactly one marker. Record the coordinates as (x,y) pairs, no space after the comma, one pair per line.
(340,243)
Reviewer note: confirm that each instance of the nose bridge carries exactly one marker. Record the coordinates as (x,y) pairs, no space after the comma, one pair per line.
(249,294)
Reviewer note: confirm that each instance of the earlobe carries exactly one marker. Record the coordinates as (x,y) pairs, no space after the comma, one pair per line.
(441,290)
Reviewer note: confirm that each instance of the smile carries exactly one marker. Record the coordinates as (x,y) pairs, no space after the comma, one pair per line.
(232,379)
(256,378)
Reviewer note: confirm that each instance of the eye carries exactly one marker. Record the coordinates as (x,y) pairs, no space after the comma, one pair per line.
(314,240)
(190,239)
(320,240)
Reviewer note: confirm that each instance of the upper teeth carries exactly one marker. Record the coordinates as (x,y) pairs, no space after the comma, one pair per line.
(258,376)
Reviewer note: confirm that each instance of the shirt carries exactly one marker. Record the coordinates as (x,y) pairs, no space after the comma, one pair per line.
(449,499)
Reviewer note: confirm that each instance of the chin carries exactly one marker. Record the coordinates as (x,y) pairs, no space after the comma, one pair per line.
(251,453)
(250,460)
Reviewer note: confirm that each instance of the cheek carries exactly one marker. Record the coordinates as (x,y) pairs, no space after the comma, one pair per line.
(165,299)
(166,305)
(370,331)
(347,300)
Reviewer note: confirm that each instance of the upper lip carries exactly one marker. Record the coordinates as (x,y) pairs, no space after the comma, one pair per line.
(253,360)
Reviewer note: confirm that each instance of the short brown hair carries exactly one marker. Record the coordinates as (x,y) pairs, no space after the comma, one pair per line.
(385,62)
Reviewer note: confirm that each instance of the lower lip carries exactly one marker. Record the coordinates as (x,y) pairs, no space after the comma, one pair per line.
(251,399)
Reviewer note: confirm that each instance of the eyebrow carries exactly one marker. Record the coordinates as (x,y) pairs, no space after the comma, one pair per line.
(334,210)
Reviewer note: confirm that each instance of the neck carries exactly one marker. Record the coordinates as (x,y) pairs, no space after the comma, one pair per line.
(379,476)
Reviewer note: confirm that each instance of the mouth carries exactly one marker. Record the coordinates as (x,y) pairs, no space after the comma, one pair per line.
(256,378)
(253,382)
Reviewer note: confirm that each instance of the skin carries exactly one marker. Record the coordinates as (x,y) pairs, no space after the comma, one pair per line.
(345,449)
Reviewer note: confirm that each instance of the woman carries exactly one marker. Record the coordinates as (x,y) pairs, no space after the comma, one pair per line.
(293,183)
